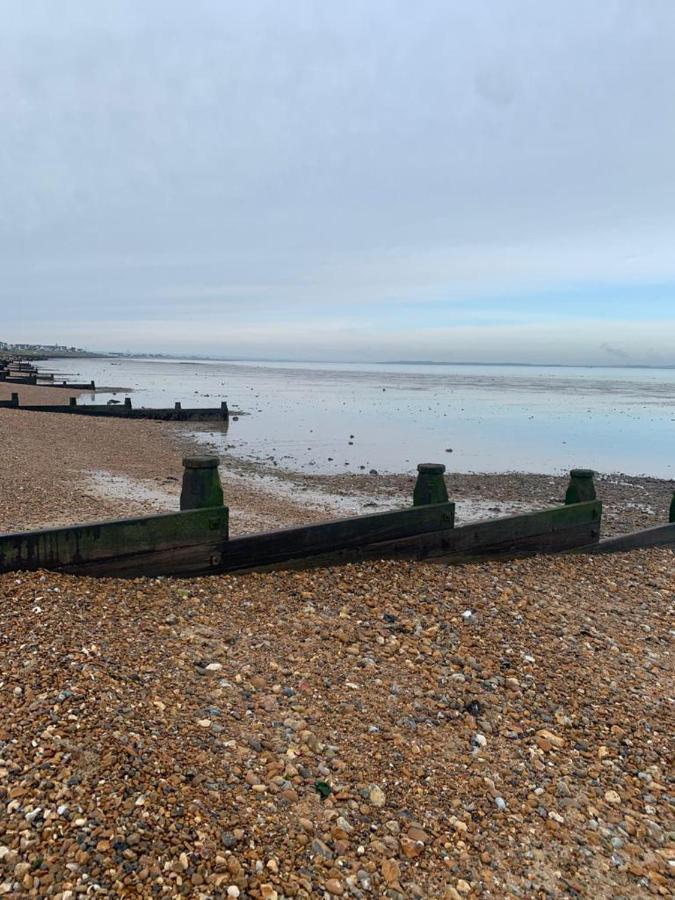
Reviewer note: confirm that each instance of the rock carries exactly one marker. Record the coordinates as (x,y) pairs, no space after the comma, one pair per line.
(321,849)
(478,741)
(377,796)
(411,849)
(334,886)
(613,798)
(391,871)
(547,740)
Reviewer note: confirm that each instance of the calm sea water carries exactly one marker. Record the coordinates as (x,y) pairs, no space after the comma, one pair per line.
(355,417)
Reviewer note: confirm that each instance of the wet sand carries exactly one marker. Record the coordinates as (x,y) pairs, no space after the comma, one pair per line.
(57,470)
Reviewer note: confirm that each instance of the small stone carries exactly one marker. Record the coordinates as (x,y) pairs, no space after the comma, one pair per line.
(478,741)
(411,849)
(547,740)
(613,798)
(377,796)
(391,871)
(321,849)
(334,886)
(463,886)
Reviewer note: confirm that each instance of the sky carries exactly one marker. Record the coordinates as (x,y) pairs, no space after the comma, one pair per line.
(490,180)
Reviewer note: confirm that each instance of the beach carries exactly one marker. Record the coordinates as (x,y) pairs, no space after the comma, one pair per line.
(386,730)
(58,469)
(383,729)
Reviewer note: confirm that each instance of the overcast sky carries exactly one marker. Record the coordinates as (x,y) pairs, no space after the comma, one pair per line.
(362,179)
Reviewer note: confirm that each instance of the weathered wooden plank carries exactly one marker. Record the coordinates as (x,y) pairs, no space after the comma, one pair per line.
(198,559)
(165,543)
(547,531)
(291,543)
(196,541)
(658,536)
(202,414)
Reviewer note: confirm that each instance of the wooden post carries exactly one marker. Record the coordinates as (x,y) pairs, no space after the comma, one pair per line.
(92,385)
(127,402)
(73,401)
(430,485)
(177,406)
(225,411)
(201,483)
(671,516)
(581,487)
(15,398)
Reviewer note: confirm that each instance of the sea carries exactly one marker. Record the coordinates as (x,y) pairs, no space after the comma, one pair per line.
(333,418)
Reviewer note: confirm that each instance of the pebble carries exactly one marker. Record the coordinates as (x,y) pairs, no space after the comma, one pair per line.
(377,796)
(111,768)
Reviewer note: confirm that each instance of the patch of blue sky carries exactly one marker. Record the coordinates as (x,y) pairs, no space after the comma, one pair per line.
(627,302)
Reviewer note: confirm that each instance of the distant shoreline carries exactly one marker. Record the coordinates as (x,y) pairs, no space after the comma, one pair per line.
(168,357)
(524,365)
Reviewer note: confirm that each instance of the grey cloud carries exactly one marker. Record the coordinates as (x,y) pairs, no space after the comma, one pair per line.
(451,148)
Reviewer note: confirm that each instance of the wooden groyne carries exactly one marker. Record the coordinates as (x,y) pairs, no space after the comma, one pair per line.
(44,381)
(196,541)
(26,373)
(126,410)
(657,536)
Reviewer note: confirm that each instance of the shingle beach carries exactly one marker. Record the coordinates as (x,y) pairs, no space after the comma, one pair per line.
(377,730)
(387,730)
